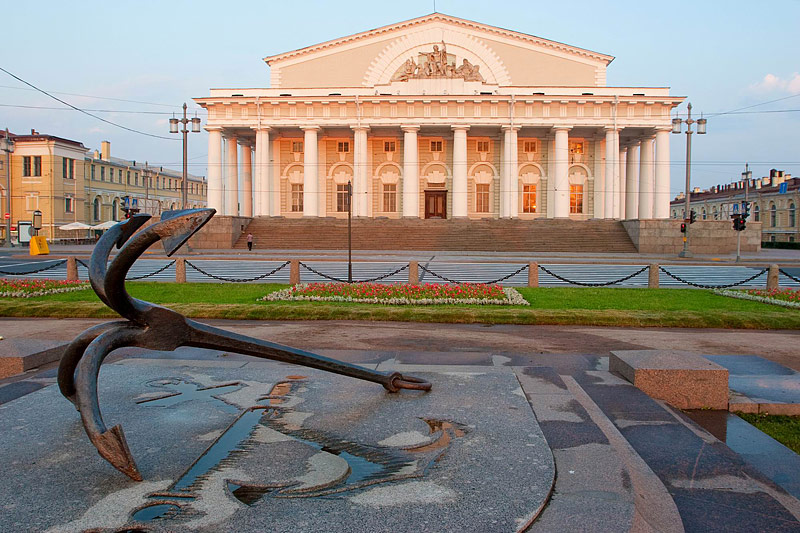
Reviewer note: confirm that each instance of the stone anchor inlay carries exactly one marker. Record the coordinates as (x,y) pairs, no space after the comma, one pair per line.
(154,327)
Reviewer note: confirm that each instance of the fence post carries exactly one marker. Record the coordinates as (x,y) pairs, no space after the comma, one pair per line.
(180,270)
(72,269)
(294,272)
(772,278)
(652,276)
(533,274)
(413,273)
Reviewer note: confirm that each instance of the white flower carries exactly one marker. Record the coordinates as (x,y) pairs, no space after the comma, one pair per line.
(746,296)
(513,297)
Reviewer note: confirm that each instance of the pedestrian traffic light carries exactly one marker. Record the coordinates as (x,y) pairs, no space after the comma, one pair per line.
(683,227)
(692,217)
(746,210)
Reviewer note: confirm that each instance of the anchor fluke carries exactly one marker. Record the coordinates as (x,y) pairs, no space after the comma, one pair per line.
(178,226)
(114,448)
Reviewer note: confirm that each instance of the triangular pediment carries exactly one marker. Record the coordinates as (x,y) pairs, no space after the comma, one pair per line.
(379,57)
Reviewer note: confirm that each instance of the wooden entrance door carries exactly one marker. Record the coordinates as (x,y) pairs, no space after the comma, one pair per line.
(435,204)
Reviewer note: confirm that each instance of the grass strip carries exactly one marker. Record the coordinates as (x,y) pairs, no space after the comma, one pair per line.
(554,306)
(782,428)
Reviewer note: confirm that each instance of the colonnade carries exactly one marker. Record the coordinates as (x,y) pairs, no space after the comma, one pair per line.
(632,182)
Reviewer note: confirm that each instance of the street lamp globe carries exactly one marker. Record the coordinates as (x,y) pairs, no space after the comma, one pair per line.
(701,126)
(196,125)
(173,125)
(676,125)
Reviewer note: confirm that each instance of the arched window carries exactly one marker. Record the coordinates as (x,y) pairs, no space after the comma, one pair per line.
(115,210)
(704,213)
(792,215)
(756,214)
(715,212)
(96,209)
(773,216)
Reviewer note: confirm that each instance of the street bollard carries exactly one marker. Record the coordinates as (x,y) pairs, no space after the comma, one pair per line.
(72,269)
(413,273)
(533,274)
(772,278)
(652,277)
(294,272)
(180,270)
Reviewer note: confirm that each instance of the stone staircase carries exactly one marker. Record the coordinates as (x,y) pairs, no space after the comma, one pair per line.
(507,235)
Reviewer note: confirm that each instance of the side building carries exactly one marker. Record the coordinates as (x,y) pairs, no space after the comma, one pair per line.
(69,183)
(774,201)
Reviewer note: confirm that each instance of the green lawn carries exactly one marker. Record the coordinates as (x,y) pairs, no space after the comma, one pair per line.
(784,429)
(581,306)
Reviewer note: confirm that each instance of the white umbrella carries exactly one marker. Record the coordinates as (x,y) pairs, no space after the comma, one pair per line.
(108,224)
(74,226)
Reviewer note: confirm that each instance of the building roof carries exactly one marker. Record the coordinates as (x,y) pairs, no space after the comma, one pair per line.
(793,184)
(470,24)
(39,137)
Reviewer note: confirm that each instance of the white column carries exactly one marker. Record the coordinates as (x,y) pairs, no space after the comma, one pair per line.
(622,168)
(632,183)
(310,172)
(231,176)
(612,137)
(599,177)
(551,173)
(410,172)
(261,185)
(561,178)
(646,179)
(247,180)
(360,174)
(460,171)
(661,192)
(215,190)
(514,163)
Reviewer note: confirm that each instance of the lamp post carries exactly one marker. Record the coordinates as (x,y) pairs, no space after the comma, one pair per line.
(173,128)
(701,130)
(349,232)
(746,176)
(8,146)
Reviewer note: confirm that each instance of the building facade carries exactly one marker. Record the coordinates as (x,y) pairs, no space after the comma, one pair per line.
(69,183)
(440,117)
(774,201)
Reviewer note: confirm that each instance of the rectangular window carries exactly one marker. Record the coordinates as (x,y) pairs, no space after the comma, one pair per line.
(482,198)
(69,204)
(342,198)
(119,176)
(297,146)
(529,147)
(37,165)
(128,177)
(135,178)
(576,198)
(389,197)
(389,146)
(436,146)
(64,171)
(483,146)
(68,168)
(26,166)
(72,169)
(102,173)
(343,147)
(529,198)
(93,177)
(576,147)
(297,198)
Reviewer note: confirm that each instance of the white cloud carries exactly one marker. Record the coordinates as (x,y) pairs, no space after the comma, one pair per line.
(772,83)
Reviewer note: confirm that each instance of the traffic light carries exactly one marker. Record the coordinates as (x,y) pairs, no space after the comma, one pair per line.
(692,217)
(746,210)
(738,222)
(683,227)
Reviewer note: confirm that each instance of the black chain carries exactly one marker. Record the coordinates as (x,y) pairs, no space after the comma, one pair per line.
(603,284)
(338,280)
(237,280)
(701,286)
(54,265)
(782,271)
(448,280)
(84,265)
(159,271)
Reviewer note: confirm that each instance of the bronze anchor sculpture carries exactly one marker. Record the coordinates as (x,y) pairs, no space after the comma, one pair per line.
(154,327)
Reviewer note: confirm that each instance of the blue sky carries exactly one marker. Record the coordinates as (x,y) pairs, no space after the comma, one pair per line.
(723,55)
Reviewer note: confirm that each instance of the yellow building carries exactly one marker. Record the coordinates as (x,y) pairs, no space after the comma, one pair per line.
(67,183)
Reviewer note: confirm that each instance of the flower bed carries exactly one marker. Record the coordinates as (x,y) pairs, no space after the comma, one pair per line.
(782,297)
(28,288)
(400,294)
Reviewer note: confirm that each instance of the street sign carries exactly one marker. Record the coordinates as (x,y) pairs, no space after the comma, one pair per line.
(735,208)
(783,188)
(7,216)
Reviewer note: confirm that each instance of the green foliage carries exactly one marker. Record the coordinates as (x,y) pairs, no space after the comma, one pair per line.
(784,429)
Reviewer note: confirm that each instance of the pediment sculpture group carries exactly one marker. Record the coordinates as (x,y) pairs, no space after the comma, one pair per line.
(436,65)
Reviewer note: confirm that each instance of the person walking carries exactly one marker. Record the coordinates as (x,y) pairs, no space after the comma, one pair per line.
(250,242)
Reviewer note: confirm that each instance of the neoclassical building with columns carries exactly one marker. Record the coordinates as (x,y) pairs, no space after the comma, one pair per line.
(440,117)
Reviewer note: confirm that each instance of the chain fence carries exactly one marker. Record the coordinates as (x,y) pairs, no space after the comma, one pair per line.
(339,280)
(159,271)
(54,265)
(782,271)
(702,286)
(498,280)
(237,280)
(590,284)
